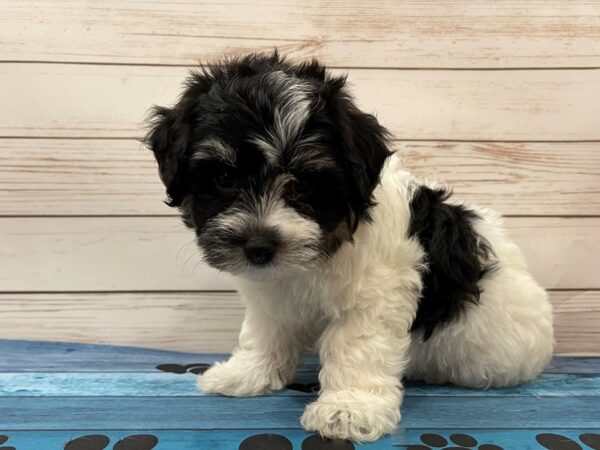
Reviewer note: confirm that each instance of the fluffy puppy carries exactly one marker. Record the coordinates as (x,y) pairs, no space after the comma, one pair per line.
(292,189)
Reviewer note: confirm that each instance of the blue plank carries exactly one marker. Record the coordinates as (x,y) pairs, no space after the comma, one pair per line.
(546,385)
(37,356)
(504,439)
(169,440)
(160,384)
(204,413)
(574,364)
(230,440)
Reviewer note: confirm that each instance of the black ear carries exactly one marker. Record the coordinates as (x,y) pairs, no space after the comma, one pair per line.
(171,129)
(363,140)
(168,138)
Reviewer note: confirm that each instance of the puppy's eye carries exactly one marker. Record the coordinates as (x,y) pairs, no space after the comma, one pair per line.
(225,180)
(303,185)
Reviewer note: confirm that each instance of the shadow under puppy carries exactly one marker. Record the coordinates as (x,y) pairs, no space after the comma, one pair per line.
(293,189)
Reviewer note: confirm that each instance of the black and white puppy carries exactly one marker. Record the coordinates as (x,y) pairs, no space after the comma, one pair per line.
(293,189)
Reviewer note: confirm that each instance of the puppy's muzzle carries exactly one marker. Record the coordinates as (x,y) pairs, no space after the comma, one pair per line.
(260,250)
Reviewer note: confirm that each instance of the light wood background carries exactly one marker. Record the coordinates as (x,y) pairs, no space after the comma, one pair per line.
(500,99)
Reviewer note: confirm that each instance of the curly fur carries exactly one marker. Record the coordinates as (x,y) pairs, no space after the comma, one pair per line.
(378,272)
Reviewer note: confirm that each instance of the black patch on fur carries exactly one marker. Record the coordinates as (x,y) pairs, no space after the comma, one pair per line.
(456,256)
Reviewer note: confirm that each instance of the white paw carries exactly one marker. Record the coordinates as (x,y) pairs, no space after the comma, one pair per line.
(240,378)
(353,415)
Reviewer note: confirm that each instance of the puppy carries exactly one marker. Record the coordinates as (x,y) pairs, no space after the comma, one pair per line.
(294,190)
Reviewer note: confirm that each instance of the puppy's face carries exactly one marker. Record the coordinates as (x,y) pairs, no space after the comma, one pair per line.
(270,163)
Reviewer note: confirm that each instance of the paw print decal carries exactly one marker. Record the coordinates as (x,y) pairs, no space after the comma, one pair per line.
(309,388)
(200,368)
(457,442)
(557,442)
(316,442)
(266,441)
(278,442)
(197,368)
(100,442)
(3,440)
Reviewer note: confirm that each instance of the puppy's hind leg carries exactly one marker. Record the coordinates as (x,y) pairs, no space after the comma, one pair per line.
(504,340)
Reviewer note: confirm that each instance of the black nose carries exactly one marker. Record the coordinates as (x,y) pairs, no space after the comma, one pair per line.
(260,250)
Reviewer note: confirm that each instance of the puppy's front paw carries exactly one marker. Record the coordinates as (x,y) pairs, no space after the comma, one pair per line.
(238,377)
(355,415)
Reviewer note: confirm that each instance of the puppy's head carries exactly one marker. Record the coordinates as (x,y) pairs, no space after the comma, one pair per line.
(271,163)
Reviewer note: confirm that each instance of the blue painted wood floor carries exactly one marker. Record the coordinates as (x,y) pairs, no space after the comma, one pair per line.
(57,396)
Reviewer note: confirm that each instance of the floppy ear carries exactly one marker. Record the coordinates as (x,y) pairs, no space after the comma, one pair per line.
(171,130)
(363,140)
(168,139)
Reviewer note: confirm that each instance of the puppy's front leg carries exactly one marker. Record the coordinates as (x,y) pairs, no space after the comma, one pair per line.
(266,359)
(363,356)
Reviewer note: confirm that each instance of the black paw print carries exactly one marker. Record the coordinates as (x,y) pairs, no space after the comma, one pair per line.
(316,442)
(278,442)
(200,368)
(197,368)
(309,388)
(457,442)
(558,442)
(3,439)
(266,442)
(100,442)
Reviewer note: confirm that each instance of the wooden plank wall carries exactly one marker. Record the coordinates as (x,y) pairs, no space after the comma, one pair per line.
(500,99)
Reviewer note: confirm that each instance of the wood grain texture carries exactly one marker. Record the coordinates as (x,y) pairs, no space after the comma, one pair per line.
(159,254)
(40,356)
(112,101)
(209,413)
(573,364)
(78,177)
(349,33)
(160,384)
(71,406)
(103,254)
(91,70)
(513,178)
(563,253)
(210,322)
(576,319)
(113,177)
